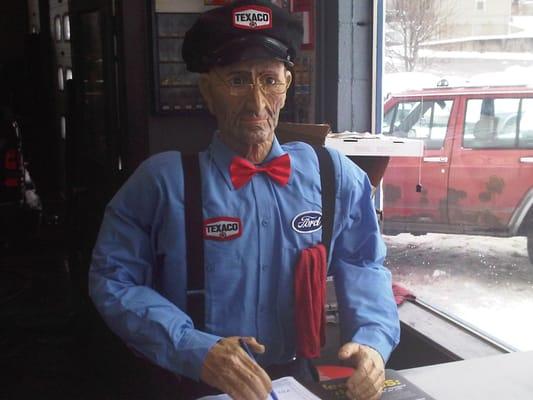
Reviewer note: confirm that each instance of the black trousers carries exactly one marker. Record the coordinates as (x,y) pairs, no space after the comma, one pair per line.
(168,386)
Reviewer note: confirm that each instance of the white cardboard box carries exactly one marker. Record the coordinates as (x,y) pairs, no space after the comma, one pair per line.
(366,144)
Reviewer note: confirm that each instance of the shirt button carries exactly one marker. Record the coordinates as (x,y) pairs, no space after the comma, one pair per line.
(263,267)
(262,309)
(264,222)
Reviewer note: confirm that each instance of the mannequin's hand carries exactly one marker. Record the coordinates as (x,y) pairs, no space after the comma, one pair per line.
(228,368)
(366,383)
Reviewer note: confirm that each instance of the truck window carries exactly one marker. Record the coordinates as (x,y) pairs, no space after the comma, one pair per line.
(424,119)
(491,123)
(525,134)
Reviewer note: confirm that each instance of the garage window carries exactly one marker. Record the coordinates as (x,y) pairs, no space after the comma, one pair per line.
(458,222)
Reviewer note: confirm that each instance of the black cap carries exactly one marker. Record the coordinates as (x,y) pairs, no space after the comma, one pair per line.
(242,30)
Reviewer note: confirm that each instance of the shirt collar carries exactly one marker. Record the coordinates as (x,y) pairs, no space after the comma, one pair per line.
(222,156)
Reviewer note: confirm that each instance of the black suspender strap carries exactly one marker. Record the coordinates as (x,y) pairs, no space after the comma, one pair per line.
(327,182)
(192,182)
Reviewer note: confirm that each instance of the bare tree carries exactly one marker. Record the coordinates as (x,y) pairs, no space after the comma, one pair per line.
(413,22)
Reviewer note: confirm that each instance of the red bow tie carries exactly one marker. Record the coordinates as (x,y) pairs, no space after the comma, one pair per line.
(241,170)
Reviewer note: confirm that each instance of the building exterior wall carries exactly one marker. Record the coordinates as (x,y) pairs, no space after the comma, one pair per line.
(478,17)
(468,17)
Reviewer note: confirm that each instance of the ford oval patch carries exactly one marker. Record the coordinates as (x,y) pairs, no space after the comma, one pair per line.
(307,222)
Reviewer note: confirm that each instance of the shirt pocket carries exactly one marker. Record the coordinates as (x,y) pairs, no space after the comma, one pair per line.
(225,288)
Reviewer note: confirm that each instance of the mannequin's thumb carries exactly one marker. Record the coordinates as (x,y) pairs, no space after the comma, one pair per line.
(348,350)
(255,346)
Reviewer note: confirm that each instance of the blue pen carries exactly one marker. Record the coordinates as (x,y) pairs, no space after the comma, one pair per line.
(245,347)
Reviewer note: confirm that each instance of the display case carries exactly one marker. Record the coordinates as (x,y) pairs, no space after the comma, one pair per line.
(175,88)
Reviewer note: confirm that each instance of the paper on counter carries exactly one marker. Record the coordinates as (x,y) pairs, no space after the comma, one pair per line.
(287,388)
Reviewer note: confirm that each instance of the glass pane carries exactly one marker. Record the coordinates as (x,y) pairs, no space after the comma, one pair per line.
(58,31)
(387,121)
(526,124)
(170,50)
(457,222)
(439,123)
(473,112)
(60,79)
(176,99)
(176,74)
(426,120)
(174,25)
(63,127)
(94,141)
(407,113)
(66,27)
(491,123)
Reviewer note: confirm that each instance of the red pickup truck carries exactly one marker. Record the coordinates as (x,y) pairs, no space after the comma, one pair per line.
(476,175)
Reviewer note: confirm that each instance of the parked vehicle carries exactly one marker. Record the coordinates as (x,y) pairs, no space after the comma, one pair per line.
(476,175)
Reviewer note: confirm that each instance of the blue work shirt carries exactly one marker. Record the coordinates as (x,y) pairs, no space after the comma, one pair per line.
(138,272)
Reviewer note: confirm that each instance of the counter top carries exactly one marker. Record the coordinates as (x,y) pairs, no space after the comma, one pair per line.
(500,377)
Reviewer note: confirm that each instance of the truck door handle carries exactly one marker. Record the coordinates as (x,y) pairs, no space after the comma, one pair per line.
(436,159)
(526,160)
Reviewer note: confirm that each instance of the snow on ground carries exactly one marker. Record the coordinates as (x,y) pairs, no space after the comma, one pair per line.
(514,75)
(401,81)
(523,22)
(475,55)
(486,281)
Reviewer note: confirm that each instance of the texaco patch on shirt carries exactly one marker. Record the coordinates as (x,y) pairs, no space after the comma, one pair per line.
(222,228)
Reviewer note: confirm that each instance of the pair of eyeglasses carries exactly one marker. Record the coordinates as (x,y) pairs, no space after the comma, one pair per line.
(239,86)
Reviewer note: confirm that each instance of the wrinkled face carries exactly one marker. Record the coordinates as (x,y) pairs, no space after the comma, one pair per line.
(246,98)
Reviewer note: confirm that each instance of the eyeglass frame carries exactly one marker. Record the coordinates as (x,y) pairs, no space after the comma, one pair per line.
(250,87)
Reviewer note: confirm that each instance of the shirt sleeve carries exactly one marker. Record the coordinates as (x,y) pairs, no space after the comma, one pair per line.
(367,310)
(120,280)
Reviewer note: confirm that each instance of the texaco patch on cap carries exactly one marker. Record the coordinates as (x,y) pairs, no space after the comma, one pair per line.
(252,17)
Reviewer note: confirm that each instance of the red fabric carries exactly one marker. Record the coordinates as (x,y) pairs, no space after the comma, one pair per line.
(241,170)
(401,294)
(310,299)
(11,182)
(11,160)
(330,372)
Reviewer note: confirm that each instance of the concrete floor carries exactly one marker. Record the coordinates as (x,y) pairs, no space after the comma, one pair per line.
(52,345)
